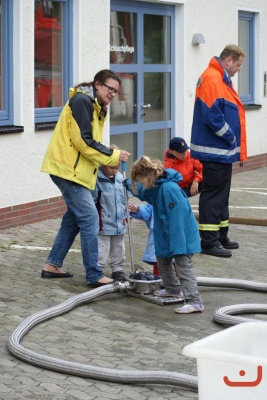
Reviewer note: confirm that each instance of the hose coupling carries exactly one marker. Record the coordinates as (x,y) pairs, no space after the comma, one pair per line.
(122,286)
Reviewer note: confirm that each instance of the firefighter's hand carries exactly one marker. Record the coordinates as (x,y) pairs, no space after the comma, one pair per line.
(233,140)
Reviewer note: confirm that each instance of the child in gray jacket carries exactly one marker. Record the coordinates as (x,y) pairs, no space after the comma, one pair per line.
(110,202)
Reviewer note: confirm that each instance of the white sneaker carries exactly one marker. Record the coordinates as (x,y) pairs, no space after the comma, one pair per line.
(190,308)
(164,293)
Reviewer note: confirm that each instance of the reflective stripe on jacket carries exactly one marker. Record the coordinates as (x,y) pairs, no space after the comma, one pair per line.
(219,116)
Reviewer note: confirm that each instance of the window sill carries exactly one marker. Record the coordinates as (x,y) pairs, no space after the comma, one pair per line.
(11,129)
(45,126)
(252,107)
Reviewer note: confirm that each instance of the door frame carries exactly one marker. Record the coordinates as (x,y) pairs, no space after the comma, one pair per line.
(141,8)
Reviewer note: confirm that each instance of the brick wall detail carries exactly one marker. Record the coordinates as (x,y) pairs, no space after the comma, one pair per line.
(28,213)
(252,163)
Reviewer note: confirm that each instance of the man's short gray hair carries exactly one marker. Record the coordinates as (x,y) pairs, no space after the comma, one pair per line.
(232,50)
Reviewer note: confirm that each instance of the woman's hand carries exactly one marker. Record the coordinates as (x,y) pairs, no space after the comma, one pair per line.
(124,155)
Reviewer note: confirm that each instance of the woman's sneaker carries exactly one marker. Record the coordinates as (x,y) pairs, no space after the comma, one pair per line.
(164,293)
(190,308)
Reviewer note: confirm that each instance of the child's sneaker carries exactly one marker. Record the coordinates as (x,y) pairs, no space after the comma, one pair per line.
(164,293)
(190,308)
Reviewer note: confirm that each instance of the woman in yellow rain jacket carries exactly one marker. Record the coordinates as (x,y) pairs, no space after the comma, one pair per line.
(72,159)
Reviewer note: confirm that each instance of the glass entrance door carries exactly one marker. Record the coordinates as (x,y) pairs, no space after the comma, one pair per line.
(141,53)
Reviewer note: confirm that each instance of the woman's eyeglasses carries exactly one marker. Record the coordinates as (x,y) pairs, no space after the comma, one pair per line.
(111,89)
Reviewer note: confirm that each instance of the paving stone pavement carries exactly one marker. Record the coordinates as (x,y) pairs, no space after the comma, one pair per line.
(117,330)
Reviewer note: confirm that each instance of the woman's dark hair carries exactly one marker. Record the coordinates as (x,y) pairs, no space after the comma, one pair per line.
(101,77)
(105,74)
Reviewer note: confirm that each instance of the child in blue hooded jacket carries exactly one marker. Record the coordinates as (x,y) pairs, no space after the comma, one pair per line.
(144,212)
(176,233)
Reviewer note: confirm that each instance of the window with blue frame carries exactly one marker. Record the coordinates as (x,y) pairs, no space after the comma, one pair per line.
(6,68)
(52,57)
(246,40)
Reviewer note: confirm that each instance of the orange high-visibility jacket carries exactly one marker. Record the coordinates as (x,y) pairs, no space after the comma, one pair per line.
(219,116)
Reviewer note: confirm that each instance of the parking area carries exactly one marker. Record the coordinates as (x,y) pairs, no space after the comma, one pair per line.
(119,331)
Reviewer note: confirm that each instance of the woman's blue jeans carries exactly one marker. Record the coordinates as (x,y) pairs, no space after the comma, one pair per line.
(81,216)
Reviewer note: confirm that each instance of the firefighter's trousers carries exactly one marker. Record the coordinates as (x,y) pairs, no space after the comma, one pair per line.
(214,203)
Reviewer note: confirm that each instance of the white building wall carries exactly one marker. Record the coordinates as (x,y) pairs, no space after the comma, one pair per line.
(21,154)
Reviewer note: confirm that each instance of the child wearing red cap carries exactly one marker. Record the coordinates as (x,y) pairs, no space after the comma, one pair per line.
(178,158)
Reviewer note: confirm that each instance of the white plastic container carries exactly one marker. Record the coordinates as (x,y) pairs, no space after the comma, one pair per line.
(232,364)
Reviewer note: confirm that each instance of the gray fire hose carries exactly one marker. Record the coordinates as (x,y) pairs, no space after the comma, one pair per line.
(88,371)
(222,316)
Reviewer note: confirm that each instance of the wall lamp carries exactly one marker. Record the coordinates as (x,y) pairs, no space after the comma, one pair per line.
(198,38)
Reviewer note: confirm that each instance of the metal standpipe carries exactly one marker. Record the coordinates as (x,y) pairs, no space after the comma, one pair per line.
(144,283)
(222,316)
